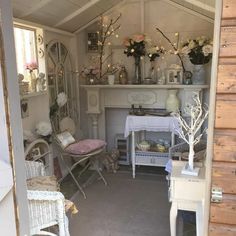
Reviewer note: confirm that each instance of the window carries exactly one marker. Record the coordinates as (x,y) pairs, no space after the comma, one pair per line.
(30,59)
(25,44)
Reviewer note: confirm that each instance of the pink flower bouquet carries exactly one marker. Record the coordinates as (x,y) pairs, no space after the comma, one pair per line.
(31,66)
(135,45)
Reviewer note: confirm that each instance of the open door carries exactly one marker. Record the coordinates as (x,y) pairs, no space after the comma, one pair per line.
(223,199)
(14,218)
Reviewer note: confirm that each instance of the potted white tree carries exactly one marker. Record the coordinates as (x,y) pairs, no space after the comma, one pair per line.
(190,130)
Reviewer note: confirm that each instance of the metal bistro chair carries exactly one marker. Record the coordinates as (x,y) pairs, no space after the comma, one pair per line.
(74,151)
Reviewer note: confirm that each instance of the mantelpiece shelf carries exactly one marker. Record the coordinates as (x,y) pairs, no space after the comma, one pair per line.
(145,86)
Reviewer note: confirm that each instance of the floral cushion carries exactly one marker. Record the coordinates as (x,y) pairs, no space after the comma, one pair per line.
(85,146)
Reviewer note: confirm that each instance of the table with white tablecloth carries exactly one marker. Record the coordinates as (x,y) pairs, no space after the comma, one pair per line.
(149,123)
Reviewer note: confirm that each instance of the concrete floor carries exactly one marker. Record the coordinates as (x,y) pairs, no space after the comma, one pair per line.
(126,207)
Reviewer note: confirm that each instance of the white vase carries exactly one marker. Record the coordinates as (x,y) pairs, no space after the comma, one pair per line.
(199,74)
(111,79)
(172,101)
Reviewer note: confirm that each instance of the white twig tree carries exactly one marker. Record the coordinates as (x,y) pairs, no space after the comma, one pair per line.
(189,130)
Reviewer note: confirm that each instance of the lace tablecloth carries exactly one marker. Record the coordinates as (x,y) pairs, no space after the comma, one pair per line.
(151,123)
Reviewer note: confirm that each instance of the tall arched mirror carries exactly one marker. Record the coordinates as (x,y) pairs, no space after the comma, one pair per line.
(61,79)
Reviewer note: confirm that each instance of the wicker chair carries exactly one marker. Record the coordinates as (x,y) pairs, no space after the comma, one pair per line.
(46,208)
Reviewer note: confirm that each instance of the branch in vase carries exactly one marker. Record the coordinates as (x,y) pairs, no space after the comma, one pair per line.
(173,46)
(105,33)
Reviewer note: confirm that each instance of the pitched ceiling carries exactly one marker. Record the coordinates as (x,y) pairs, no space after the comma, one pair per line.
(71,15)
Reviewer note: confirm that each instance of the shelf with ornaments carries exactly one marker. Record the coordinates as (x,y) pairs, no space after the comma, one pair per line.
(34,94)
(32,87)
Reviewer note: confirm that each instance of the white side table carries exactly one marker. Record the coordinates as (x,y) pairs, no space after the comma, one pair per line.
(186,193)
(149,123)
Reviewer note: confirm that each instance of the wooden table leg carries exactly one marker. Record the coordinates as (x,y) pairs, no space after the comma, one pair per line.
(173,216)
(199,218)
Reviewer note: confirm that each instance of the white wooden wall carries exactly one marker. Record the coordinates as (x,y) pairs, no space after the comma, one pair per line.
(144,17)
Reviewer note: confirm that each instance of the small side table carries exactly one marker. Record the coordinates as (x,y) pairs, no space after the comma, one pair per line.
(186,193)
(149,123)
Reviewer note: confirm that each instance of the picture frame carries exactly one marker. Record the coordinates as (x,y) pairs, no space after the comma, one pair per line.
(24,104)
(92,42)
(174,76)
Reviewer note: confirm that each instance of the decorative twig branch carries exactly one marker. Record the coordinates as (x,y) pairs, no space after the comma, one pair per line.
(173,46)
(198,115)
(106,32)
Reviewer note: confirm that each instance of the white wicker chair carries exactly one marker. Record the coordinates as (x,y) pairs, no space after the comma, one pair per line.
(46,208)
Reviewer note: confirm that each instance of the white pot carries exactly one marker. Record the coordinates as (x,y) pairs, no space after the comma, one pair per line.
(111,79)
(172,101)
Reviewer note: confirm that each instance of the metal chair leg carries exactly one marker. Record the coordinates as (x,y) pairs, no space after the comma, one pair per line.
(72,175)
(102,177)
(93,162)
(84,169)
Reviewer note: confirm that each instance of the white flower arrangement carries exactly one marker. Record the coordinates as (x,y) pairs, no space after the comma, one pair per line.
(43,128)
(154,52)
(61,99)
(199,50)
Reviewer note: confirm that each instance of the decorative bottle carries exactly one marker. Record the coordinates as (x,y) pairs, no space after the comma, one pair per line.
(172,101)
(123,76)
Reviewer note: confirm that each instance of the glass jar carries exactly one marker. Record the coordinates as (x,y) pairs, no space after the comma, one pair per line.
(123,76)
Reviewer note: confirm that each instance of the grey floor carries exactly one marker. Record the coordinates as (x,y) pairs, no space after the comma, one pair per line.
(126,207)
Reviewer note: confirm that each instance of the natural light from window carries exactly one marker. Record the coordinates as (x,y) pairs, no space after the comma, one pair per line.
(25,48)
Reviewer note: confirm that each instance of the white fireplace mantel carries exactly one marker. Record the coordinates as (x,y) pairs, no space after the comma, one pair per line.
(100,97)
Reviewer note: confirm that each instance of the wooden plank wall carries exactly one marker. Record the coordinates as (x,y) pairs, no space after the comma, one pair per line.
(223,215)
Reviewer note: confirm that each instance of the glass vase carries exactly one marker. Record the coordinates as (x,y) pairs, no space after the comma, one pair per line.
(152,74)
(32,81)
(199,74)
(137,71)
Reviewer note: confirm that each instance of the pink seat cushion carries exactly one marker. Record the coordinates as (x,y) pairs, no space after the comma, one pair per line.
(85,146)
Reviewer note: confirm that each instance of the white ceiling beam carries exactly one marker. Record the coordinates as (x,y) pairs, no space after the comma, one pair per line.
(191,11)
(202,5)
(36,7)
(77,12)
(109,11)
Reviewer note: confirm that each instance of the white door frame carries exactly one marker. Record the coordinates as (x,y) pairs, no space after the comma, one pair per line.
(212,103)
(16,150)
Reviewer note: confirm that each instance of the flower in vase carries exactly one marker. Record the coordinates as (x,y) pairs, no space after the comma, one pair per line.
(138,38)
(31,66)
(135,45)
(199,50)
(154,52)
